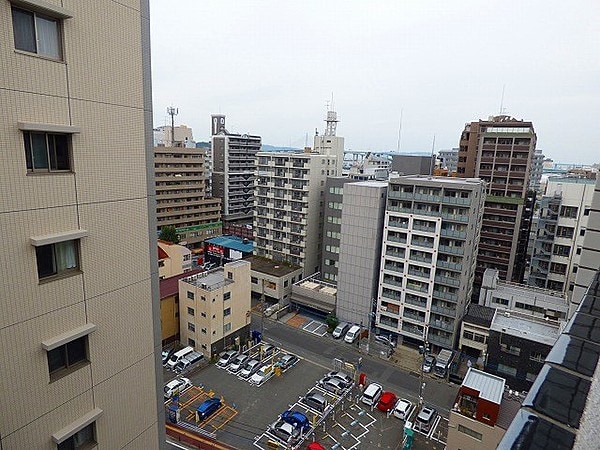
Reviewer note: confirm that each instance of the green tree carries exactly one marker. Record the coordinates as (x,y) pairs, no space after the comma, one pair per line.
(332,322)
(168,233)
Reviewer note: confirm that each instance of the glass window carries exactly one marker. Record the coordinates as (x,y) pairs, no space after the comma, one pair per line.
(227,312)
(56,259)
(226,296)
(36,33)
(65,356)
(82,438)
(47,152)
(190,295)
(190,311)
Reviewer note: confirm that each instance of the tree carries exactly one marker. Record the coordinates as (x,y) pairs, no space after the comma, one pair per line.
(168,233)
(332,322)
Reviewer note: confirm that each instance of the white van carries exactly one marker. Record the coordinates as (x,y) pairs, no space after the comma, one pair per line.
(372,393)
(352,334)
(188,361)
(178,356)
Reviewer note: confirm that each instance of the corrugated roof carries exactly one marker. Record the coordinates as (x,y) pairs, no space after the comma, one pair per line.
(233,242)
(490,387)
(170,286)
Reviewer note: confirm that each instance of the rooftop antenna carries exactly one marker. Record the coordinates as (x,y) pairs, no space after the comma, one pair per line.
(431,162)
(502,100)
(172,112)
(399,131)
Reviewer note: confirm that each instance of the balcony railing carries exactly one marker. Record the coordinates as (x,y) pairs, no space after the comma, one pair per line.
(451,249)
(447,280)
(449,265)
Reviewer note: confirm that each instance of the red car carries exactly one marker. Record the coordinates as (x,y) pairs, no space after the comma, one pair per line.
(315,446)
(387,401)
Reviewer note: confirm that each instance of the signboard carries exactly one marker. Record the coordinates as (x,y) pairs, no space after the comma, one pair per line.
(215,250)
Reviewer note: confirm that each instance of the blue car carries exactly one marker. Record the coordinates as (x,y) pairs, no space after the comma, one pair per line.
(207,408)
(297,419)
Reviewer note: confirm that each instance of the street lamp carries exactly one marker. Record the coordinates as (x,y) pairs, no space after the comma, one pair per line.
(424,350)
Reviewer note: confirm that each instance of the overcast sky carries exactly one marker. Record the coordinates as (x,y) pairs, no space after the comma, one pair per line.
(271,67)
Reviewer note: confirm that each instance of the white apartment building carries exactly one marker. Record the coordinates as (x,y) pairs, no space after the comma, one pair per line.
(288,204)
(329,144)
(562,223)
(214,308)
(430,238)
(80,313)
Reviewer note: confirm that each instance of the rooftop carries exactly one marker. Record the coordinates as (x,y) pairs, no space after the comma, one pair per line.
(480,315)
(209,281)
(234,242)
(490,387)
(526,326)
(441,180)
(170,286)
(270,267)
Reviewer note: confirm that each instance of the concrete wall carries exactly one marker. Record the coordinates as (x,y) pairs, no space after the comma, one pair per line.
(490,436)
(107,96)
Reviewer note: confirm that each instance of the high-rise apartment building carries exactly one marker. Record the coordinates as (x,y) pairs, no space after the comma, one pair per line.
(180,195)
(430,238)
(563,218)
(537,168)
(233,171)
(332,227)
(79,316)
(289,206)
(500,152)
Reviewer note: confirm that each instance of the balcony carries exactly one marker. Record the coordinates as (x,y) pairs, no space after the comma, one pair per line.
(455,217)
(447,280)
(395,267)
(400,209)
(392,281)
(422,243)
(453,233)
(413,316)
(428,198)
(395,253)
(424,228)
(451,249)
(439,340)
(419,273)
(413,329)
(456,200)
(420,258)
(400,195)
(449,265)
(443,310)
(398,224)
(445,295)
(393,238)
(415,301)
(442,325)
(417,287)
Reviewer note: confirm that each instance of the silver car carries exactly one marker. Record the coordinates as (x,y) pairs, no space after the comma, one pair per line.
(249,368)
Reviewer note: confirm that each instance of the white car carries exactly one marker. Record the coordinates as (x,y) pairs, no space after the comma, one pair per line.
(249,368)
(262,375)
(403,409)
(178,385)
(226,358)
(237,363)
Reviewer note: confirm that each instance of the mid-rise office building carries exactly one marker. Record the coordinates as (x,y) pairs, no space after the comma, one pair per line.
(500,151)
(332,227)
(561,229)
(289,207)
(79,317)
(361,233)
(430,240)
(181,201)
(214,308)
(233,170)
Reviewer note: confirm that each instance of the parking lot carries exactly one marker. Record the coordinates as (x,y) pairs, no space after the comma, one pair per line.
(248,410)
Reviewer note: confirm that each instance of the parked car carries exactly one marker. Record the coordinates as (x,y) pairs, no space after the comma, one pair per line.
(347,379)
(371,394)
(387,401)
(352,334)
(226,358)
(166,354)
(425,418)
(315,401)
(176,386)
(249,368)
(284,431)
(384,340)
(333,384)
(207,408)
(287,360)
(428,363)
(188,361)
(237,363)
(262,374)
(402,409)
(267,350)
(297,419)
(341,330)
(315,446)
(272,310)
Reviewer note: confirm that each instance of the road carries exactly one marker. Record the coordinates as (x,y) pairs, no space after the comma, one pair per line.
(323,350)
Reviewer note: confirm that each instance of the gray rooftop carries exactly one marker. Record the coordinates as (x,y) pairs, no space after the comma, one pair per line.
(526,327)
(490,387)
(209,281)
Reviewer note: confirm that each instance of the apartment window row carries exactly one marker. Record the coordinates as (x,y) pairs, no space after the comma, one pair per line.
(468,431)
(336,190)
(510,349)
(334,205)
(476,337)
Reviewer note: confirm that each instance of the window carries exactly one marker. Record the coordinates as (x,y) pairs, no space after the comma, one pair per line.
(203,330)
(203,298)
(586,211)
(67,357)
(190,295)
(57,259)
(510,349)
(191,311)
(508,370)
(285,283)
(582,232)
(36,33)
(254,280)
(500,301)
(470,432)
(191,342)
(226,328)
(568,211)
(226,296)
(203,314)
(191,327)
(83,437)
(537,356)
(226,312)
(230,275)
